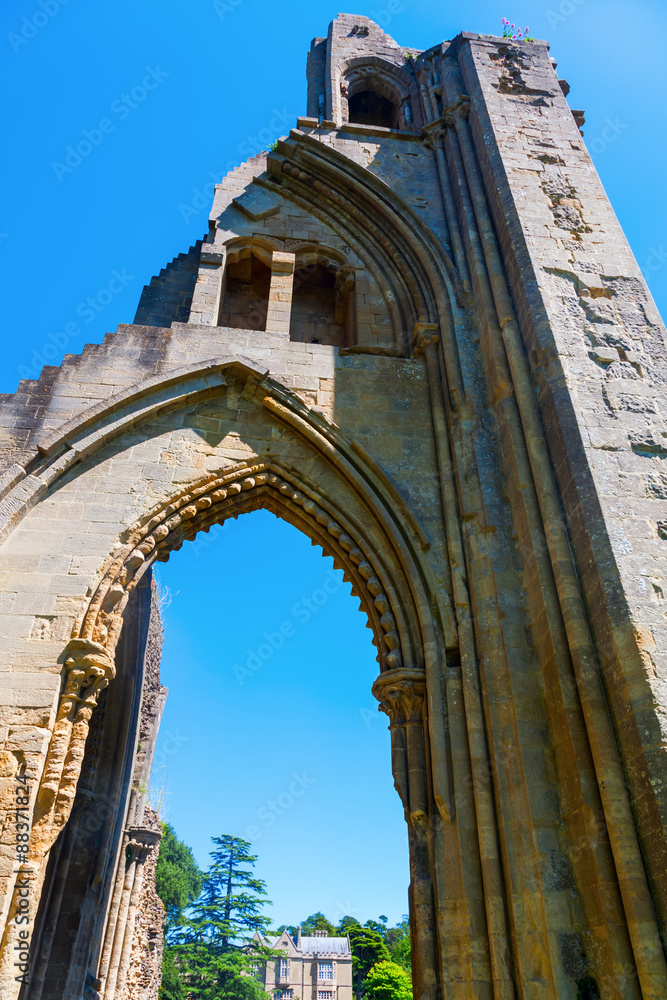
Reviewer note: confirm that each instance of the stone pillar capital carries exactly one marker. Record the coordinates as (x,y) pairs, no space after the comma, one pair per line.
(282,263)
(401,695)
(86,662)
(456,111)
(140,841)
(424,335)
(89,667)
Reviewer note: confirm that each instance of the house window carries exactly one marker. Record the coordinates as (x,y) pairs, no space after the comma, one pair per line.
(284,995)
(284,968)
(325,971)
(324,995)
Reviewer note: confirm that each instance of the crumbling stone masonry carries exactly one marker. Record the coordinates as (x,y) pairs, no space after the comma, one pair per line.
(417,333)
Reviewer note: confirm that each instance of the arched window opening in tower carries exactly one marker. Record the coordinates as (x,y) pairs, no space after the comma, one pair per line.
(246,298)
(367,107)
(322,308)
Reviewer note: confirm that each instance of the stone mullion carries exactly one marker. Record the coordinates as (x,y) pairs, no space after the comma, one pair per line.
(426,340)
(382,267)
(382,228)
(280,292)
(208,291)
(638,903)
(381,270)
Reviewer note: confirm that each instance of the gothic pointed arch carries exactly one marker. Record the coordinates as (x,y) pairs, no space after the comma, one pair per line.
(370,74)
(408,257)
(350,508)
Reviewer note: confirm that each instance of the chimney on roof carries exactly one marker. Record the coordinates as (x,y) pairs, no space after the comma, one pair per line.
(320,933)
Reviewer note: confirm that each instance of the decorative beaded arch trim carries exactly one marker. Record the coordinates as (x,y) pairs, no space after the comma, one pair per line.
(89,655)
(199,509)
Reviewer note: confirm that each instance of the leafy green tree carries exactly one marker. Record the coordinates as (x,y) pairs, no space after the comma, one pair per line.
(346,924)
(387,981)
(368,949)
(178,880)
(317,922)
(379,925)
(210,974)
(397,940)
(232,896)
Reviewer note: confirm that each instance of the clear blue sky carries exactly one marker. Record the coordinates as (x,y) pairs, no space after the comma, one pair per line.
(271,732)
(217,82)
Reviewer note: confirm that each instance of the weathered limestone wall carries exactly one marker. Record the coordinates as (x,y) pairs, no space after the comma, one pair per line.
(145,965)
(168,297)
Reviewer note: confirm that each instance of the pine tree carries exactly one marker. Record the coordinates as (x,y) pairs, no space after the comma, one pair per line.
(213,948)
(397,940)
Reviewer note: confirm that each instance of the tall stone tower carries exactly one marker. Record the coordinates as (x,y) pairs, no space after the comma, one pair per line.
(415,331)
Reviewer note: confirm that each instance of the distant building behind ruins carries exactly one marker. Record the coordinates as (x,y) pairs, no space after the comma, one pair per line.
(316,967)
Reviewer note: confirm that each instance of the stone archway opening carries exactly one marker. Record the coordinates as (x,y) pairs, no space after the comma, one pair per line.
(368,107)
(245,302)
(114,621)
(275,640)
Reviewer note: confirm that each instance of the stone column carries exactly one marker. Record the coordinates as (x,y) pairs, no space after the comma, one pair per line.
(205,308)
(118,945)
(401,694)
(280,293)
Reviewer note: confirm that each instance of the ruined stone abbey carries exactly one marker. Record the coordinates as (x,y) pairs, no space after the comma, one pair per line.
(415,331)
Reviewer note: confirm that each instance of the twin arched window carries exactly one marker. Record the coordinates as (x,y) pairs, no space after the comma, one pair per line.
(315,301)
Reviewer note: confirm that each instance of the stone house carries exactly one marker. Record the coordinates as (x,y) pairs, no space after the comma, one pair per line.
(313,968)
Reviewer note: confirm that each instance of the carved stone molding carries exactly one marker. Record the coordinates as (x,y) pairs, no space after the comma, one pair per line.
(457,110)
(401,695)
(89,668)
(140,841)
(89,659)
(198,510)
(424,335)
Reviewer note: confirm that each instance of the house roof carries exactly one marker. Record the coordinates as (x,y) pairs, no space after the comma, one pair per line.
(324,946)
